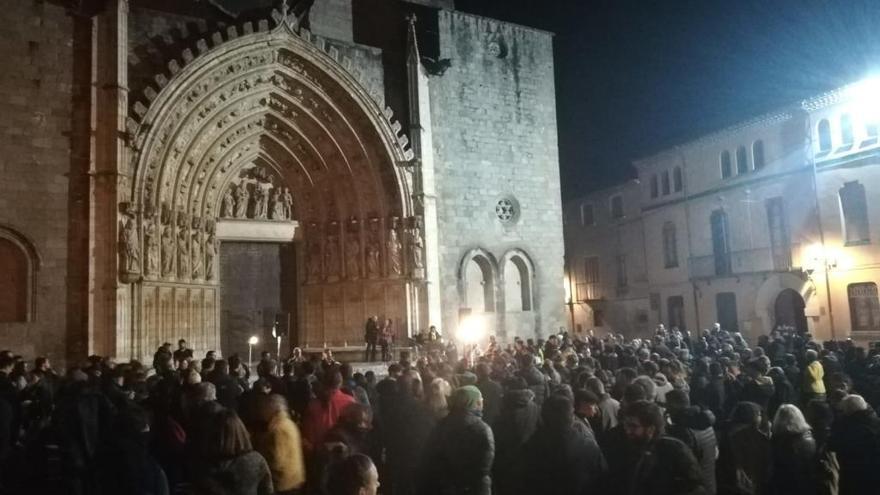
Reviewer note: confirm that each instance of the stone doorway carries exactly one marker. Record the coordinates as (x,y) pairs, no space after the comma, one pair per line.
(789,310)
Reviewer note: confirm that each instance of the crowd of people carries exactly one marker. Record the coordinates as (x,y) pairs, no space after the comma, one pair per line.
(673,414)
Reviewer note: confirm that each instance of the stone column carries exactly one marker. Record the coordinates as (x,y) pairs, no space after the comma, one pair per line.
(109,172)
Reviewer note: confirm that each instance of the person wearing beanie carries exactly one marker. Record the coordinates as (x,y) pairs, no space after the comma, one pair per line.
(460,452)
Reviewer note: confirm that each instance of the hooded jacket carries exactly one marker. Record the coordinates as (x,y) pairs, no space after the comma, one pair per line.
(694,426)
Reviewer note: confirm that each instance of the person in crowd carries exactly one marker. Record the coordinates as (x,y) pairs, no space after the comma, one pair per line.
(608,406)
(354,475)
(560,452)
(745,457)
(459,454)
(814,374)
(276,437)
(386,339)
(663,465)
(855,439)
(437,399)
(405,426)
(324,410)
(371,337)
(515,425)
(233,466)
(491,391)
(228,388)
(693,425)
(794,453)
(182,354)
(125,465)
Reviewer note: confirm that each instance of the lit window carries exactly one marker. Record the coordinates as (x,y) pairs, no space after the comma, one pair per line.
(726,170)
(758,154)
(824,135)
(864,307)
(846,129)
(742,162)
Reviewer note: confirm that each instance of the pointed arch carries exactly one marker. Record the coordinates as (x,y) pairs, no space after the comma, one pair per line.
(477,274)
(518,281)
(19,263)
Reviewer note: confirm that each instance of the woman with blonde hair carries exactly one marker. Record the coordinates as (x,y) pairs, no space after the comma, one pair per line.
(793,451)
(438,395)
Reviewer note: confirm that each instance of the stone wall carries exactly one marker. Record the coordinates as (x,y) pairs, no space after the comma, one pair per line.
(36,94)
(494,135)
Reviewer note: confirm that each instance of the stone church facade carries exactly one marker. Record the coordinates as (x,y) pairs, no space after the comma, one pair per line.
(200,170)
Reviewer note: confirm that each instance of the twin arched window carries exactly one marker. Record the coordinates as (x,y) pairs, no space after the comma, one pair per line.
(480,273)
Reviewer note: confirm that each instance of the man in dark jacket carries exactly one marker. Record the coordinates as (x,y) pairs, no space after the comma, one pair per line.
(516,423)
(536,380)
(371,337)
(664,466)
(694,426)
(855,438)
(492,393)
(559,458)
(461,449)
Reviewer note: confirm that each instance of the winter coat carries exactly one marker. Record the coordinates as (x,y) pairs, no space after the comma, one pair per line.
(814,375)
(560,463)
(666,467)
(744,460)
(537,383)
(492,394)
(608,407)
(794,463)
(760,391)
(694,427)
(126,467)
(516,423)
(281,445)
(855,439)
(458,457)
(247,474)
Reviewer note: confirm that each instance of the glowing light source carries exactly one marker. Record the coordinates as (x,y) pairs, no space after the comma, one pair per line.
(471,330)
(253,340)
(866,96)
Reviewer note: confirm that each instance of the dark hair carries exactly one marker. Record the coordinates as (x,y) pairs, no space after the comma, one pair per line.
(582,396)
(677,399)
(634,393)
(746,413)
(557,413)
(646,413)
(348,476)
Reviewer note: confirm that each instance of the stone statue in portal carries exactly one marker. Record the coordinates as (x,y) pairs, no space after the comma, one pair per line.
(168,246)
(287,199)
(211,249)
(417,251)
(229,202)
(183,241)
(352,255)
(131,248)
(277,205)
(241,200)
(331,256)
(152,242)
(395,261)
(261,202)
(198,264)
(372,252)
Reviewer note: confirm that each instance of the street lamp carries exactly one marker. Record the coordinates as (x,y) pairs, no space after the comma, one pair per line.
(251,343)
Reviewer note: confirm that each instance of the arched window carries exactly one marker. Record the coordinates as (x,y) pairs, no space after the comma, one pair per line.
(846,129)
(479,282)
(854,213)
(758,154)
(17,265)
(665,182)
(742,161)
(726,170)
(517,284)
(655,189)
(824,135)
(670,245)
(677,180)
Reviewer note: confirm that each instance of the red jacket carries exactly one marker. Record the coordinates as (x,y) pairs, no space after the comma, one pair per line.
(322,415)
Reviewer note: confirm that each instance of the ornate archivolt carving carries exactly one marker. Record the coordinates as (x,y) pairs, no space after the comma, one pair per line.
(353,250)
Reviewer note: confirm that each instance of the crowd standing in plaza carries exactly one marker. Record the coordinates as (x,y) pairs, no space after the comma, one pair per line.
(673,414)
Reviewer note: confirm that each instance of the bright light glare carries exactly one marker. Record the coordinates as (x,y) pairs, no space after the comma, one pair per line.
(253,340)
(866,95)
(471,330)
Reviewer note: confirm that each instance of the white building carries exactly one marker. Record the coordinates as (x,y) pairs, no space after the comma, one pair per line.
(763,223)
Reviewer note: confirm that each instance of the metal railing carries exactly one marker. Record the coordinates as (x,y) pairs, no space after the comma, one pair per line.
(757,260)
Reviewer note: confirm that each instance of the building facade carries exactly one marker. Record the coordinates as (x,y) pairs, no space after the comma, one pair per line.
(762,224)
(216,170)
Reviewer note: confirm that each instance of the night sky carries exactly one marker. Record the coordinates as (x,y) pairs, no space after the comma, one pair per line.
(634,77)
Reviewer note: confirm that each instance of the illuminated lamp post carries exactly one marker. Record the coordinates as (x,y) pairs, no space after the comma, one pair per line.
(251,343)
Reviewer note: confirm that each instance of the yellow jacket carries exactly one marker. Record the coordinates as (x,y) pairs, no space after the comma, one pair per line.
(813,376)
(281,445)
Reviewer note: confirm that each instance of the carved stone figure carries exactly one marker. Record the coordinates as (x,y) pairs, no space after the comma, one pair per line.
(183,265)
(417,252)
(152,242)
(395,262)
(198,264)
(372,253)
(352,255)
(229,202)
(168,245)
(131,254)
(261,202)
(331,256)
(277,205)
(242,196)
(287,199)
(211,249)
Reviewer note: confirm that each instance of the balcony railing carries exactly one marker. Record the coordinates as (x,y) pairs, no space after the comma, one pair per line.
(756,260)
